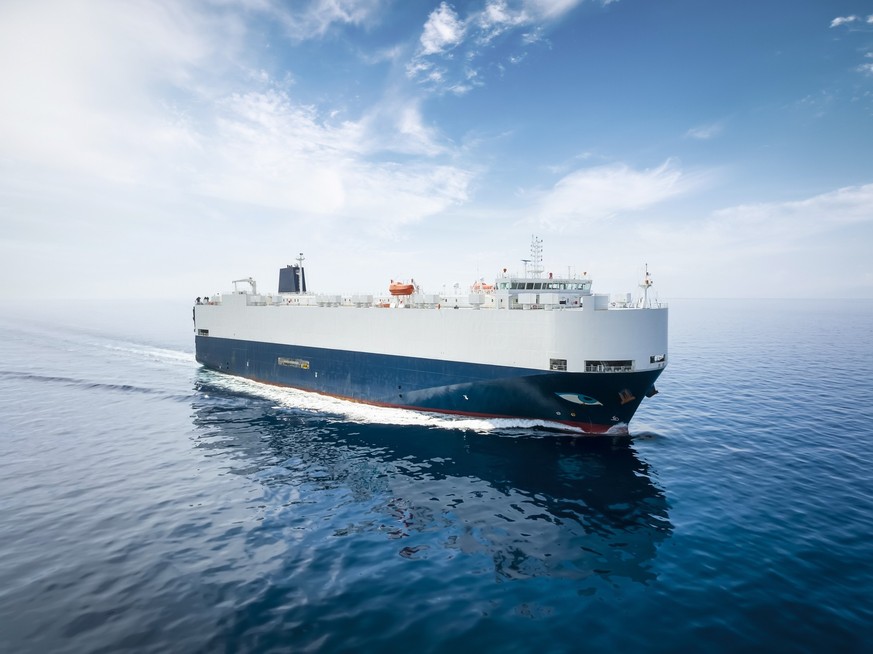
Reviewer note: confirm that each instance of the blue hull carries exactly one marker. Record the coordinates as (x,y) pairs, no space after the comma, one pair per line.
(593,402)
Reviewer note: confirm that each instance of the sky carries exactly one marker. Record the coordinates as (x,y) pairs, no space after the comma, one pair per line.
(163,148)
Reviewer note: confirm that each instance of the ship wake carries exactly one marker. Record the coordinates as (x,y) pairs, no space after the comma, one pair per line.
(349,410)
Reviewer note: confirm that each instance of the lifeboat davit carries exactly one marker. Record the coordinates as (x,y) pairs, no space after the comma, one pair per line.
(399,288)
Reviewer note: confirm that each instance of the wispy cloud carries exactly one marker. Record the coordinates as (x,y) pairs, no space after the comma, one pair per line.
(776,222)
(848,20)
(705,132)
(314,18)
(451,45)
(795,248)
(108,89)
(163,97)
(863,27)
(591,194)
(843,20)
(496,19)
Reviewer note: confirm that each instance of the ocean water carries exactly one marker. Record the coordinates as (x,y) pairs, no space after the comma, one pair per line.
(148,505)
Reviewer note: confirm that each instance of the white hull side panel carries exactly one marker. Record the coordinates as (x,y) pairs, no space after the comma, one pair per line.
(517,338)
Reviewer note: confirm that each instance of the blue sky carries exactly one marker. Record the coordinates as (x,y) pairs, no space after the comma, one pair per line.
(161,149)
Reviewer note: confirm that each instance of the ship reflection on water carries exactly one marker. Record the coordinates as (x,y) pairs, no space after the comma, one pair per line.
(519,504)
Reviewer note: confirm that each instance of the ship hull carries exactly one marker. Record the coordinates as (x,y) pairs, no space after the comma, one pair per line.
(591,402)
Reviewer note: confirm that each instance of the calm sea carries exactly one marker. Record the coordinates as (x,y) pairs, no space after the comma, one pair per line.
(149,505)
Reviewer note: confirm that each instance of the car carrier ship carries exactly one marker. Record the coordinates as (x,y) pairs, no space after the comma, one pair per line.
(532,346)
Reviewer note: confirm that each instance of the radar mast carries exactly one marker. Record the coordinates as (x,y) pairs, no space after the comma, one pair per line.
(536,256)
(645,285)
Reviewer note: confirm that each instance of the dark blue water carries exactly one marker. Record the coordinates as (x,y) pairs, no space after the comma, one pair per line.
(148,505)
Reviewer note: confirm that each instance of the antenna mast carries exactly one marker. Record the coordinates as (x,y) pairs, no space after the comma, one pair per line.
(536,255)
(645,284)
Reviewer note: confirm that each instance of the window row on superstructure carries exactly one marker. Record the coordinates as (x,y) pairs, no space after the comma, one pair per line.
(544,286)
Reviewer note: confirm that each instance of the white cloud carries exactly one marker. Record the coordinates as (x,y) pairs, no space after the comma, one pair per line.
(82,81)
(772,249)
(846,20)
(313,18)
(129,132)
(271,152)
(496,19)
(591,194)
(843,20)
(451,45)
(815,247)
(414,135)
(162,97)
(811,247)
(550,9)
(775,226)
(442,31)
(705,132)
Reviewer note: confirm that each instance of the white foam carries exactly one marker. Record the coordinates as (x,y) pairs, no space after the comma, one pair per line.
(291,398)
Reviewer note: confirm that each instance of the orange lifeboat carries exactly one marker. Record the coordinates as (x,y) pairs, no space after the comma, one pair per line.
(399,288)
(482,286)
